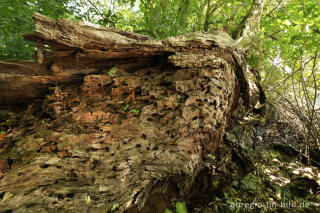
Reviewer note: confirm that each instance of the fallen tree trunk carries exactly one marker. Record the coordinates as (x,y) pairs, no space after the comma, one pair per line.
(128,120)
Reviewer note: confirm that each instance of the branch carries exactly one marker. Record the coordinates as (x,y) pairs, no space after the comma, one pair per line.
(276,7)
(241,25)
(252,24)
(154,13)
(210,11)
(271,35)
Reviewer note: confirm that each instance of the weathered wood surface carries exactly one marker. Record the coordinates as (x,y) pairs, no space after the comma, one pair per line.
(82,49)
(134,128)
(22,80)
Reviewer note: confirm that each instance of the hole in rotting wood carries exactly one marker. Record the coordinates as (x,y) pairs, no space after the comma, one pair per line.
(202,87)
(165,83)
(44,166)
(138,146)
(45,115)
(107,149)
(60,197)
(10,161)
(95,162)
(114,168)
(143,136)
(2,194)
(70,195)
(73,174)
(214,103)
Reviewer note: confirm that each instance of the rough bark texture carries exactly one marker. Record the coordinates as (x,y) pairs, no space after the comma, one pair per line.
(128,120)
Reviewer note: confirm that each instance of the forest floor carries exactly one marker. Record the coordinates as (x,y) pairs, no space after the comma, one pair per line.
(281,181)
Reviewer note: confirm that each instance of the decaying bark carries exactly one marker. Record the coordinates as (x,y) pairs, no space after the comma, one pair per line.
(128,120)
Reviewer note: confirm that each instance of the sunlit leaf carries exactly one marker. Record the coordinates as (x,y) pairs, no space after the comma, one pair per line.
(181,207)
(115,206)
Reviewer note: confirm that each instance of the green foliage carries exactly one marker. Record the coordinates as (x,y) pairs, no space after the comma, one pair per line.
(253,60)
(125,107)
(289,29)
(113,71)
(16,19)
(181,207)
(271,185)
(120,14)
(168,211)
(135,111)
(115,206)
(211,156)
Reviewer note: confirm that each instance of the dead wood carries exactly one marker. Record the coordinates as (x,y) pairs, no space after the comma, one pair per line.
(128,121)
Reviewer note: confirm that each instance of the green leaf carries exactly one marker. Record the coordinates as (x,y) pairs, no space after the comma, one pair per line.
(294,37)
(168,211)
(135,111)
(215,183)
(115,206)
(211,156)
(262,120)
(113,71)
(125,107)
(181,207)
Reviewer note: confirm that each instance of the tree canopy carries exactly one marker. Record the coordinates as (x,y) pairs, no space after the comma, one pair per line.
(16,19)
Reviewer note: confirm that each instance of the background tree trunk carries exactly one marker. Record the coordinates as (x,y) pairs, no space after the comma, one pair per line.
(128,120)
